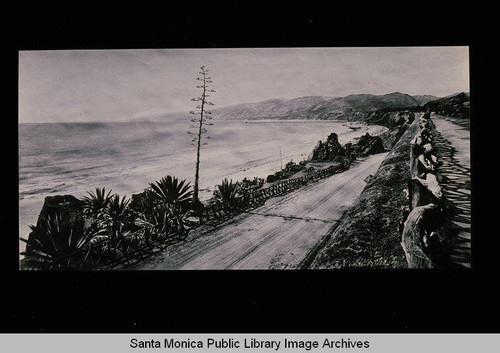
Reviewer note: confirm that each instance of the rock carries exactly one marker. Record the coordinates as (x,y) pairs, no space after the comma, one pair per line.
(68,206)
(419,194)
(330,150)
(425,164)
(314,154)
(368,145)
(415,152)
(348,150)
(431,183)
(414,230)
(333,149)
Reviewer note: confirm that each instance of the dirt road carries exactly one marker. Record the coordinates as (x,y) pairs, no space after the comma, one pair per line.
(452,144)
(458,135)
(277,235)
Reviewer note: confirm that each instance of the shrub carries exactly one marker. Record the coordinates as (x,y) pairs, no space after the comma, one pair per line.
(228,192)
(115,217)
(170,191)
(172,200)
(57,244)
(94,206)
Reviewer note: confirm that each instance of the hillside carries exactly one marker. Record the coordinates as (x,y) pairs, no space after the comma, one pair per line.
(318,107)
(273,108)
(456,105)
(424,99)
(356,107)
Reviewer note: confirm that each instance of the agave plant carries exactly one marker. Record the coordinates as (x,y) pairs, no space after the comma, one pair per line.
(228,192)
(143,204)
(178,221)
(172,209)
(115,217)
(58,243)
(170,191)
(96,203)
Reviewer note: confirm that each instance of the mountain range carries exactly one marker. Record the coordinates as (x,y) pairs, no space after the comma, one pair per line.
(319,107)
(362,107)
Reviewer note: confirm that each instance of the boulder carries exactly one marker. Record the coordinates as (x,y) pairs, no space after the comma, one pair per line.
(330,150)
(420,194)
(69,207)
(414,230)
(368,145)
(314,154)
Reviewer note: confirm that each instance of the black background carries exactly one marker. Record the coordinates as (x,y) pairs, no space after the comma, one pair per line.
(344,301)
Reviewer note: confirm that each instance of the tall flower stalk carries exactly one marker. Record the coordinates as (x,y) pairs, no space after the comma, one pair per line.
(203,119)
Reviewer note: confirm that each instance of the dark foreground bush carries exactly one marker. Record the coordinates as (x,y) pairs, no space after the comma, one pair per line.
(56,244)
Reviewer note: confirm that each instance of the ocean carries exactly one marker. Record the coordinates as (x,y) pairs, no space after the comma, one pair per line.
(74,158)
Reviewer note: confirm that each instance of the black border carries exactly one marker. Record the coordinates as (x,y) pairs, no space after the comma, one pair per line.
(345,301)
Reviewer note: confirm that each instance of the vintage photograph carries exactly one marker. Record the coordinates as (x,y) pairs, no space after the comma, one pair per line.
(317,158)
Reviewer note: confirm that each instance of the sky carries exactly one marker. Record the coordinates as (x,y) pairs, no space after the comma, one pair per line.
(119,85)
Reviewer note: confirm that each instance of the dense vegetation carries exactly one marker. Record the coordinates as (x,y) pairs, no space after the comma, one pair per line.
(103,229)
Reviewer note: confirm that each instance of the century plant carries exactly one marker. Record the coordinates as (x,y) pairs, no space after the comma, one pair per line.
(144,204)
(145,207)
(227,192)
(95,204)
(115,217)
(173,204)
(58,243)
(169,190)
(203,119)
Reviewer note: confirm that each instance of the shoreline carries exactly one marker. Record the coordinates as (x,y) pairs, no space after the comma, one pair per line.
(31,202)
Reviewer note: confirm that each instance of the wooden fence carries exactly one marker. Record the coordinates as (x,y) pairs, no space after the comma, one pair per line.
(127,253)
(220,212)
